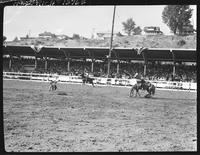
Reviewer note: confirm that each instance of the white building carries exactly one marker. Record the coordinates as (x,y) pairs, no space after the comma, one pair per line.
(61,36)
(152,30)
(46,35)
(105,35)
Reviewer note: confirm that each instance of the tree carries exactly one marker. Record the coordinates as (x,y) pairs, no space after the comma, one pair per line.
(16,39)
(119,34)
(176,17)
(76,36)
(4,38)
(53,36)
(129,26)
(137,30)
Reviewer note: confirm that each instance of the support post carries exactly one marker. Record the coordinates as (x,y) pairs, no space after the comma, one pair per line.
(174,69)
(68,65)
(108,67)
(129,65)
(145,69)
(84,64)
(145,62)
(46,64)
(111,40)
(92,67)
(35,62)
(10,62)
(117,67)
(174,64)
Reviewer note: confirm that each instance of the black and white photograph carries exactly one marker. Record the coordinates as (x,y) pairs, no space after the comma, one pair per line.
(99,78)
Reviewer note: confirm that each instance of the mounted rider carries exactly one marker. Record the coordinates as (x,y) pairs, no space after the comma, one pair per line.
(86,74)
(53,84)
(140,80)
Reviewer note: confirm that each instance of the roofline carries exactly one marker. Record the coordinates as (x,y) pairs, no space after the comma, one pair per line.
(85,47)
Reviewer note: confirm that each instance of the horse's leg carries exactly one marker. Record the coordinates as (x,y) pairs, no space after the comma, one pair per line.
(131,92)
(136,92)
(139,93)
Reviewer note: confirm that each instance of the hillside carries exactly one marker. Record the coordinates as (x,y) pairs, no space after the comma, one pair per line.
(150,41)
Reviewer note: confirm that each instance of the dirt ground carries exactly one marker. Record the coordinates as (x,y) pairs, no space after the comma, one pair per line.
(96,119)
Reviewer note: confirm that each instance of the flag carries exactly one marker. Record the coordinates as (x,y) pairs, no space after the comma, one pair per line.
(36,48)
(139,51)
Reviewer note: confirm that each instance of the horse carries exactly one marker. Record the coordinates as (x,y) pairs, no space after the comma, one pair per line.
(150,88)
(53,86)
(87,79)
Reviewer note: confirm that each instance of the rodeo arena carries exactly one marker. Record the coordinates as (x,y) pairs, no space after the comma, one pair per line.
(63,99)
(98,99)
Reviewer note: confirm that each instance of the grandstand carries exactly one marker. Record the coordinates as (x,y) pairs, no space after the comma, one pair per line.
(156,64)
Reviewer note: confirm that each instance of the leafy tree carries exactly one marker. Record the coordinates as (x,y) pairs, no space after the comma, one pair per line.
(129,26)
(76,36)
(53,35)
(4,38)
(181,42)
(137,30)
(119,34)
(16,39)
(176,17)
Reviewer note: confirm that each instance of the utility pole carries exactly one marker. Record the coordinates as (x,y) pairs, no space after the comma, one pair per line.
(111,40)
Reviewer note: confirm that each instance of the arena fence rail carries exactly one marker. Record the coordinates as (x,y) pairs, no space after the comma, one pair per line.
(98,80)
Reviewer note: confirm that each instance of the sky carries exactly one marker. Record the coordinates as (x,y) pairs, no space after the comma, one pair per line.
(82,20)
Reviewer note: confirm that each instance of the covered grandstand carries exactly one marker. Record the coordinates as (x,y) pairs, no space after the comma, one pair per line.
(101,53)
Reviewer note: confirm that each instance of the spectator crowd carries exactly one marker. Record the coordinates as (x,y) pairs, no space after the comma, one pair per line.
(155,71)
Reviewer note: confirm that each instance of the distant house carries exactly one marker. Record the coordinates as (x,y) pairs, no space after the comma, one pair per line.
(46,35)
(26,38)
(152,30)
(187,29)
(104,35)
(62,36)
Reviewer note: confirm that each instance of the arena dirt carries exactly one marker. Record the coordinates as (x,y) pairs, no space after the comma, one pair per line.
(96,119)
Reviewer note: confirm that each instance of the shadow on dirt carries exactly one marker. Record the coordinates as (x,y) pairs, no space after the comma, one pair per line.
(172,99)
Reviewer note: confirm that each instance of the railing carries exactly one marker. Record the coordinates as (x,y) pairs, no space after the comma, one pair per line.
(98,80)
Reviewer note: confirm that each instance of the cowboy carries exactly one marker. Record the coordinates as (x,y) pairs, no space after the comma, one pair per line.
(51,86)
(140,79)
(149,86)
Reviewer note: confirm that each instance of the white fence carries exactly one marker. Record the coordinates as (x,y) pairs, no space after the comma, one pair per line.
(98,80)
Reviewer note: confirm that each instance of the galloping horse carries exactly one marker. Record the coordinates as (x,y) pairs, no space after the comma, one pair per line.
(53,86)
(150,88)
(87,79)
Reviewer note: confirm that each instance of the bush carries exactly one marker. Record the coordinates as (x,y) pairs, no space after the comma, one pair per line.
(181,42)
(76,36)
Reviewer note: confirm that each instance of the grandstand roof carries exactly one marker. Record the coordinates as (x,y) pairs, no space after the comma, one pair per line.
(97,52)
(52,52)
(185,55)
(127,53)
(74,52)
(160,54)
(18,50)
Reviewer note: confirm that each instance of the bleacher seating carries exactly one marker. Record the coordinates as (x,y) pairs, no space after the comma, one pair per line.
(154,72)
